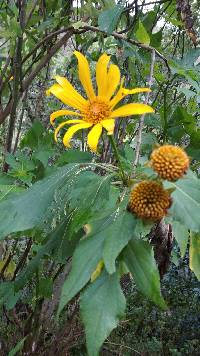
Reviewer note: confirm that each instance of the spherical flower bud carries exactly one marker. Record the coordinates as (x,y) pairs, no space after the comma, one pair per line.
(170,162)
(149,200)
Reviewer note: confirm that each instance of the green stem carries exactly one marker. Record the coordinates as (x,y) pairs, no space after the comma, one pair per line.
(117,156)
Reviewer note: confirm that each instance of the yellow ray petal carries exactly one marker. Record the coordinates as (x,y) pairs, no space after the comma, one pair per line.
(70,90)
(64,124)
(122,92)
(135,91)
(59,113)
(84,75)
(93,137)
(113,80)
(109,125)
(71,131)
(67,97)
(132,109)
(102,74)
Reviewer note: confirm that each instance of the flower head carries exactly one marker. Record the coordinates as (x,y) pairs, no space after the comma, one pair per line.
(98,111)
(170,162)
(149,200)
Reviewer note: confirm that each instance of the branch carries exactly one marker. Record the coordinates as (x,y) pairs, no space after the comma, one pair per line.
(141,122)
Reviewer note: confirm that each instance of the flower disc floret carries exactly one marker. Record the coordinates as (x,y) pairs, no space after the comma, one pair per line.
(170,162)
(96,112)
(149,200)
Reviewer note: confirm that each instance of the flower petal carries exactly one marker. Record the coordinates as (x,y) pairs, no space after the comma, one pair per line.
(67,97)
(122,92)
(64,124)
(113,80)
(59,113)
(109,125)
(69,89)
(84,75)
(93,137)
(71,131)
(102,74)
(132,109)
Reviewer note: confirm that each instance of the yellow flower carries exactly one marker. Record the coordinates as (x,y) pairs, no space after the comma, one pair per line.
(98,111)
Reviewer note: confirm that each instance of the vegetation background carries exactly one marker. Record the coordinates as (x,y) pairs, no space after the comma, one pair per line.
(49,194)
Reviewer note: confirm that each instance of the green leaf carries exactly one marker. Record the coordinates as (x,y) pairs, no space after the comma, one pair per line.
(33,136)
(6,179)
(108,19)
(73,156)
(186,201)
(27,210)
(139,258)
(117,236)
(156,39)
(148,19)
(8,296)
(43,155)
(37,137)
(194,254)
(45,288)
(181,235)
(102,305)
(141,34)
(182,118)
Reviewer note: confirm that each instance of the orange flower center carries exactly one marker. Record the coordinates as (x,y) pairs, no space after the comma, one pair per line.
(96,111)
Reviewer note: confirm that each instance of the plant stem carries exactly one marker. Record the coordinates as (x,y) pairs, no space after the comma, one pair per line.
(117,156)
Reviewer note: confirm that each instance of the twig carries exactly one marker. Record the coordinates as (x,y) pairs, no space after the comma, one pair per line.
(141,122)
